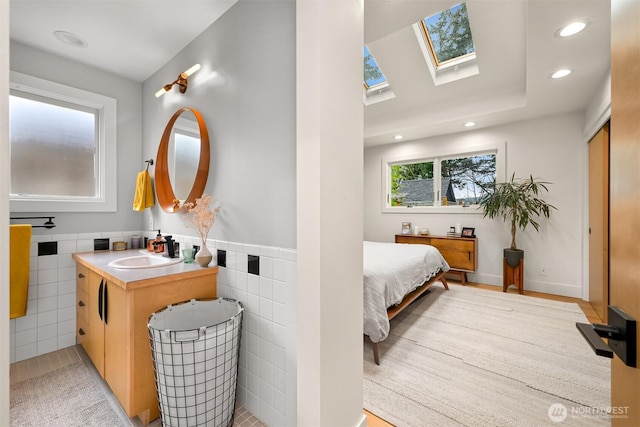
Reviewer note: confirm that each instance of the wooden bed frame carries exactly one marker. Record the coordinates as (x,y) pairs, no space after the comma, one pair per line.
(408,299)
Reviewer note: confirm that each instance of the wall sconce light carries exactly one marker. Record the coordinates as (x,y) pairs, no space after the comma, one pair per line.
(181,81)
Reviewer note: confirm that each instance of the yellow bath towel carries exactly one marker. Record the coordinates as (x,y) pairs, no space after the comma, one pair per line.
(19,248)
(144,192)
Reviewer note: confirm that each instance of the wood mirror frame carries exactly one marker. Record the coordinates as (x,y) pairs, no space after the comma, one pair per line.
(164,189)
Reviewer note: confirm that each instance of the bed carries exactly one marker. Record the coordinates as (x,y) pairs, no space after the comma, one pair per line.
(394,276)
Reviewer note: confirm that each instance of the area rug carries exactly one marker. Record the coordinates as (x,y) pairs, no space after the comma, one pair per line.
(472,357)
(67,397)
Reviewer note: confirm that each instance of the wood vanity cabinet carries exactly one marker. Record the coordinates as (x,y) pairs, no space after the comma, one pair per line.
(461,253)
(112,327)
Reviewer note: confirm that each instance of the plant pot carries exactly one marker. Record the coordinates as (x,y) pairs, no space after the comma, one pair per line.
(513,256)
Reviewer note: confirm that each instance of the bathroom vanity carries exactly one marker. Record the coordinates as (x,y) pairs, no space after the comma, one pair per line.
(113,307)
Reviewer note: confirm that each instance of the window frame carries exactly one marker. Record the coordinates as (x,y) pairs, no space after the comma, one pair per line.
(106,147)
(499,149)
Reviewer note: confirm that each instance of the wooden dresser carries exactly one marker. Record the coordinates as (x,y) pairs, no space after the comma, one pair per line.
(461,253)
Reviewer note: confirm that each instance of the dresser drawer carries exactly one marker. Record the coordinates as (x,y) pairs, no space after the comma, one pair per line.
(82,278)
(82,333)
(459,253)
(82,306)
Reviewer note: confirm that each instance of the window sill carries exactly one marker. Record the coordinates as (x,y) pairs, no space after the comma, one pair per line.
(473,209)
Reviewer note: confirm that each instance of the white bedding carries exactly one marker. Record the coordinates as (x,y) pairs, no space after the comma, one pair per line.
(392,270)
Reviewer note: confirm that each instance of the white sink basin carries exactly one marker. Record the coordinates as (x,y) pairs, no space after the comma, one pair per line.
(143,261)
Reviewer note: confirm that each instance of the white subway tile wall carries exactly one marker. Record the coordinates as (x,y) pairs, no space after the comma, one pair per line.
(267,371)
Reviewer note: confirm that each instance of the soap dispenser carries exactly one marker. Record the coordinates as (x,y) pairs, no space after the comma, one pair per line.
(158,245)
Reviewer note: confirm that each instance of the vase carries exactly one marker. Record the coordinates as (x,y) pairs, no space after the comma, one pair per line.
(204,256)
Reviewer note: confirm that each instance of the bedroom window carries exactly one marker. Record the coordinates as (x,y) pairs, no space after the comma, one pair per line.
(448,182)
(61,141)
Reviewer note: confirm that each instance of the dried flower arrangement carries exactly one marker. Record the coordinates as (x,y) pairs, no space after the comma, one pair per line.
(200,216)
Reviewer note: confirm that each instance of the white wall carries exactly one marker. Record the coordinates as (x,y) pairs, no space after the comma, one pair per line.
(550,148)
(37,63)
(5,179)
(330,149)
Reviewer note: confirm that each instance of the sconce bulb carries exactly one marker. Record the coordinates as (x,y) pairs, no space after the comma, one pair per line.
(160,92)
(192,70)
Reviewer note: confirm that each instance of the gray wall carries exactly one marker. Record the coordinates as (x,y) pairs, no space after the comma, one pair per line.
(37,63)
(245,91)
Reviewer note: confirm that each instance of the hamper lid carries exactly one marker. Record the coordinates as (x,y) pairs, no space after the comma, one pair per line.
(195,314)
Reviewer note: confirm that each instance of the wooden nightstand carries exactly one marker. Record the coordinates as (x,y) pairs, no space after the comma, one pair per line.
(461,253)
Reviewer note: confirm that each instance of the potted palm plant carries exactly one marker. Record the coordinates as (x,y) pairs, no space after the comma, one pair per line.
(518,203)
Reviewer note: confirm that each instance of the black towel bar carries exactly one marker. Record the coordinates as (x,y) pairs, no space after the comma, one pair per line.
(47,224)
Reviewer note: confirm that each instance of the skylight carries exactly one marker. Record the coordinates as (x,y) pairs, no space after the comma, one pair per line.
(448,34)
(373,77)
(447,44)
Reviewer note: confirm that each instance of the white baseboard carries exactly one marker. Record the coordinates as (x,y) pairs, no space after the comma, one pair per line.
(553,288)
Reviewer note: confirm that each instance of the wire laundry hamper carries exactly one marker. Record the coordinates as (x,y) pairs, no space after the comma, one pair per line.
(195,348)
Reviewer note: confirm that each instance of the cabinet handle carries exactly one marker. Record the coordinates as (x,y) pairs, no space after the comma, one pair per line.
(81,332)
(81,276)
(81,304)
(106,303)
(469,255)
(100,298)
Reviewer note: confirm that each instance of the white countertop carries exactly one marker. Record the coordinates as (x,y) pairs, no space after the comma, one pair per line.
(127,278)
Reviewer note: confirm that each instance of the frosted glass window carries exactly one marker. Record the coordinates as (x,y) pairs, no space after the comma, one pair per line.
(53,148)
(63,143)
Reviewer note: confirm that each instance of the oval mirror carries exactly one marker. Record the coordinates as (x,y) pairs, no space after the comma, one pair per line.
(182,164)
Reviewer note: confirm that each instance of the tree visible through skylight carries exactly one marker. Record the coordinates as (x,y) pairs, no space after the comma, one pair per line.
(372,74)
(449,34)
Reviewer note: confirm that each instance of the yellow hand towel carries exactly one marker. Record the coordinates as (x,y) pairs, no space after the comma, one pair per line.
(144,192)
(19,250)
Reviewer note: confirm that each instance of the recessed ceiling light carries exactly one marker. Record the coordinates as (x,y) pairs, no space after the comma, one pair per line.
(398,137)
(70,39)
(469,124)
(560,74)
(572,28)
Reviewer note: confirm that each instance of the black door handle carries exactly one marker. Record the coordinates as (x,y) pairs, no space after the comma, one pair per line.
(620,332)
(100,298)
(106,303)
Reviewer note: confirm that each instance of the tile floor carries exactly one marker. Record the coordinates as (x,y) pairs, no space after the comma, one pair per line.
(41,365)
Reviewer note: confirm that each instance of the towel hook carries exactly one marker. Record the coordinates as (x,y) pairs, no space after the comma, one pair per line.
(149,162)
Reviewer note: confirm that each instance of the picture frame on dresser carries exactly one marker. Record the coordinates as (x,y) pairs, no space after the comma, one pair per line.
(468,232)
(406,228)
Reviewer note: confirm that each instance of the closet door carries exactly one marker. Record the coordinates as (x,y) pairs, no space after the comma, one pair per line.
(599,222)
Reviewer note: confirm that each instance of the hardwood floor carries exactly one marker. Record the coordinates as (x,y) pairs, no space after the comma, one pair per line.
(585,306)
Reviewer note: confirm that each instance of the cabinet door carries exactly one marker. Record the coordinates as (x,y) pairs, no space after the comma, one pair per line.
(459,253)
(95,340)
(115,339)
